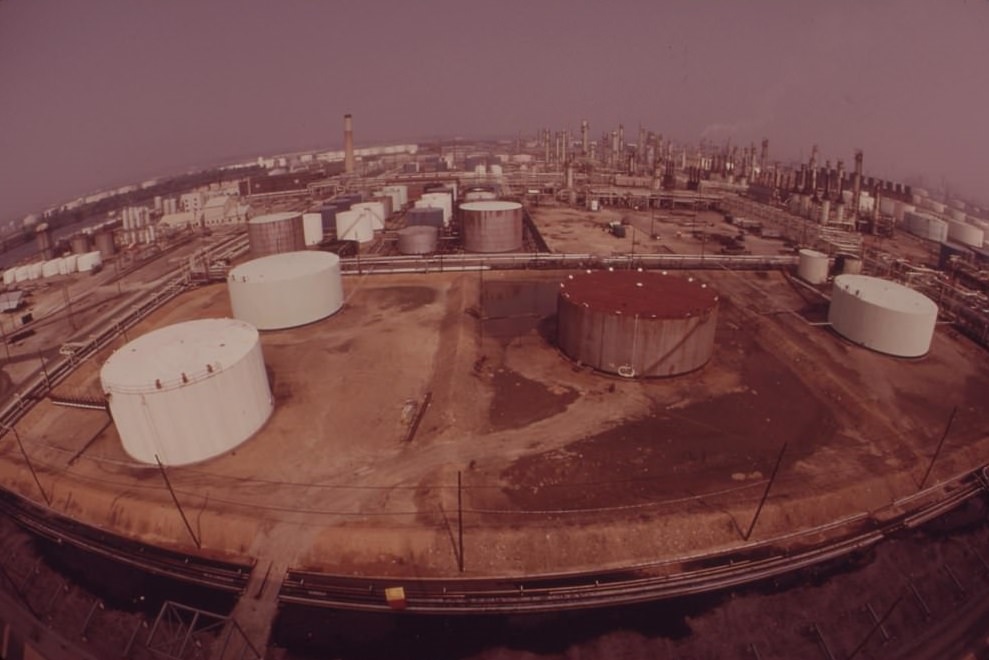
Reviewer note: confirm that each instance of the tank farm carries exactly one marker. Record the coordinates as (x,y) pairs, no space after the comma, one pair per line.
(438,410)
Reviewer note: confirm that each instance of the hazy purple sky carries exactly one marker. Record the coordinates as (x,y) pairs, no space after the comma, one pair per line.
(95,93)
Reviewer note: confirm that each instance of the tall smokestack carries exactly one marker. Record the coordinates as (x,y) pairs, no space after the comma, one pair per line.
(584,141)
(764,154)
(857,182)
(348,144)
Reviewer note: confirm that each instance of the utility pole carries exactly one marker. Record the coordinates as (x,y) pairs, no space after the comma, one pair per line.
(460,521)
(940,445)
(765,494)
(175,499)
(30,466)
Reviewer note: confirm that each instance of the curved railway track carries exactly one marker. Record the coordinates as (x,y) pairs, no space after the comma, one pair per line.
(745,564)
(648,582)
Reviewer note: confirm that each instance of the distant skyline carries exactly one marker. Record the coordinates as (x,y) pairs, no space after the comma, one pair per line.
(109,92)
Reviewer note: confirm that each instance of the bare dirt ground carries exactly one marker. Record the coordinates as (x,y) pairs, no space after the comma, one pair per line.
(556,460)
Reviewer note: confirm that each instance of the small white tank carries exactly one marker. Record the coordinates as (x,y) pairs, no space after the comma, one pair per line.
(312,228)
(813,266)
(354,226)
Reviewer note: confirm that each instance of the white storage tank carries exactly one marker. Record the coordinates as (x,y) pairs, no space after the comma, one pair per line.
(882,315)
(34,270)
(50,268)
(8,276)
(441,200)
(813,266)
(354,226)
(925,226)
(22,273)
(188,392)
(375,212)
(966,234)
(69,264)
(312,228)
(286,290)
(87,262)
(399,193)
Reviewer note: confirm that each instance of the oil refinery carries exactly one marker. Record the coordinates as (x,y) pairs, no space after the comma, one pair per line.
(551,376)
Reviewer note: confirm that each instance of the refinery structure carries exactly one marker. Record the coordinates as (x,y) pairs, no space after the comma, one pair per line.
(559,372)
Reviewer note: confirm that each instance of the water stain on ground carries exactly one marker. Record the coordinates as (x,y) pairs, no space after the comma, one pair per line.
(519,401)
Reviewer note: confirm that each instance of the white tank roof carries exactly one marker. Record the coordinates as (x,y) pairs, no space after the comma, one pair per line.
(286,290)
(162,356)
(490,205)
(189,391)
(882,315)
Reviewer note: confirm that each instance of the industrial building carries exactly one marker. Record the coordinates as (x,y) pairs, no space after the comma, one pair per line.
(578,374)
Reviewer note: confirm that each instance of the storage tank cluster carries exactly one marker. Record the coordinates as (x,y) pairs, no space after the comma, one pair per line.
(136,225)
(66,265)
(375,212)
(636,324)
(286,290)
(882,315)
(275,233)
(491,226)
(965,233)
(188,392)
(925,226)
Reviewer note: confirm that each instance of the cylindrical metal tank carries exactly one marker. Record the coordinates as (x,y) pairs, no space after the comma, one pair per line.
(34,270)
(312,228)
(188,392)
(400,192)
(636,324)
(354,226)
(495,170)
(50,268)
(87,262)
(442,200)
(80,243)
(275,233)
(386,203)
(825,212)
(925,226)
(813,266)
(104,242)
(43,235)
(492,226)
(8,276)
(375,212)
(966,234)
(328,215)
(419,239)
(424,216)
(286,290)
(882,315)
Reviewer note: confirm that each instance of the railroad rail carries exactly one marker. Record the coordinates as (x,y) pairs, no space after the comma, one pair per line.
(217,574)
(646,582)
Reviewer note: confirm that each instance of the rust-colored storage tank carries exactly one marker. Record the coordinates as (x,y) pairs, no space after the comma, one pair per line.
(636,324)
(104,242)
(418,239)
(80,243)
(276,233)
(492,226)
